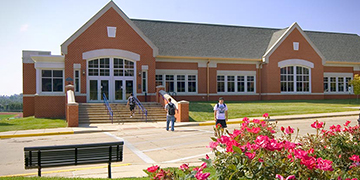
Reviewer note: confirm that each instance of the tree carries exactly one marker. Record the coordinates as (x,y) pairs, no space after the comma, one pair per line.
(356,85)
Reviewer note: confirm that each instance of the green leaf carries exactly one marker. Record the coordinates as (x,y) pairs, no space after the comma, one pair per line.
(237,150)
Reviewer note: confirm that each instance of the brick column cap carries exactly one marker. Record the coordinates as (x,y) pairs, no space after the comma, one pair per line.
(183,102)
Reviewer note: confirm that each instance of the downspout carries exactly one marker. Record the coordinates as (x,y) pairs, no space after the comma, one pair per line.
(208,80)
(259,73)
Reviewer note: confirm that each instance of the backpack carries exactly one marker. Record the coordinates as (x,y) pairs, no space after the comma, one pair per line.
(171,110)
(131,101)
(217,105)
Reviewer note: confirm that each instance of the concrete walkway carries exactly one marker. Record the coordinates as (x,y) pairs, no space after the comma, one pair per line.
(93,128)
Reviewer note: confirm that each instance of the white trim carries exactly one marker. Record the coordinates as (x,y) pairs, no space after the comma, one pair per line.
(39,83)
(296,46)
(28,95)
(50,65)
(77,69)
(80,94)
(175,72)
(330,74)
(77,66)
(186,81)
(236,73)
(144,67)
(50,94)
(111,4)
(26,55)
(110,53)
(48,58)
(295,77)
(295,62)
(268,53)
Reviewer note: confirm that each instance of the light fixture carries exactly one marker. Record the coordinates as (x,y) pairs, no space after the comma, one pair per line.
(83,72)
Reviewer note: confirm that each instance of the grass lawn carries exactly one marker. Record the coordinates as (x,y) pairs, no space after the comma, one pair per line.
(203,111)
(29,123)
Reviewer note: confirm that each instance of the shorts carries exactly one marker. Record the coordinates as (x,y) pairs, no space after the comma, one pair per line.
(132,107)
(222,122)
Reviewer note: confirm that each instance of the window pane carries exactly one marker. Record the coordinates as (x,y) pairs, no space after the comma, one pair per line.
(180,83)
(46,73)
(241,86)
(129,64)
(46,85)
(326,85)
(57,85)
(250,87)
(347,86)
(333,84)
(192,86)
(169,83)
(221,78)
(221,86)
(129,72)
(158,80)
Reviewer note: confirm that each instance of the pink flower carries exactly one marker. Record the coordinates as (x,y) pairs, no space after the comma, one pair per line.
(355,158)
(207,157)
(213,145)
(160,174)
(261,160)
(230,144)
(203,166)
(254,130)
(184,167)
(223,139)
(289,130)
(235,133)
(317,124)
(250,155)
(324,164)
(246,120)
(201,176)
(265,115)
(153,169)
(282,178)
(282,129)
(256,121)
(347,123)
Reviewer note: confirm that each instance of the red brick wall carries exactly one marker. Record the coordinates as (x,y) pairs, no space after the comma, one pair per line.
(338,69)
(271,71)
(29,88)
(49,106)
(95,37)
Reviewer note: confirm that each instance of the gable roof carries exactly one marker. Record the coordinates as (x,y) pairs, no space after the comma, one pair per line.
(283,35)
(223,41)
(111,4)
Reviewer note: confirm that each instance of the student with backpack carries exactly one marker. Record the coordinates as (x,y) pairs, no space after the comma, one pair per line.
(170,115)
(131,103)
(220,113)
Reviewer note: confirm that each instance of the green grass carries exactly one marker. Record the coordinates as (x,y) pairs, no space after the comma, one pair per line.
(203,111)
(6,116)
(30,123)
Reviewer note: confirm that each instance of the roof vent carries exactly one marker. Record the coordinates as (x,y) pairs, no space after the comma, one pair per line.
(296,46)
(111,31)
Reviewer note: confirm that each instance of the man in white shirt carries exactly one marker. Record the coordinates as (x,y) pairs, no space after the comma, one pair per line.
(220,113)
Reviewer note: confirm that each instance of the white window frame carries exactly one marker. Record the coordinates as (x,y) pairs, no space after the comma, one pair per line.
(338,76)
(39,72)
(79,91)
(295,81)
(175,73)
(236,74)
(144,85)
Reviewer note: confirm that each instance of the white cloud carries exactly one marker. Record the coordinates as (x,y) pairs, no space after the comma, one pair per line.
(24,27)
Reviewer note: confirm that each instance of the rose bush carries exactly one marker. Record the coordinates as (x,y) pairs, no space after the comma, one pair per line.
(253,152)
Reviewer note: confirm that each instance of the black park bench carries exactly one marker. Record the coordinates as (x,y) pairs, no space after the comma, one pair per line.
(68,155)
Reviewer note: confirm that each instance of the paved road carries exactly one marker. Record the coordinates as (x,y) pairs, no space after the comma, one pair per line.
(144,147)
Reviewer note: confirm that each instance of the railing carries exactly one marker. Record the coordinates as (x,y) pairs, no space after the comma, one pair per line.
(110,112)
(142,108)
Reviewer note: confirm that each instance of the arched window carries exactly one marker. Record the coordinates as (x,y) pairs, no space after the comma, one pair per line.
(295,79)
(99,67)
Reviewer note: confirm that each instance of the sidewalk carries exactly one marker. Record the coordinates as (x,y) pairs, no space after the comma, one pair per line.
(148,125)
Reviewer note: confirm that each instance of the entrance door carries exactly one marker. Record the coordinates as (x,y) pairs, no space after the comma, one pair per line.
(123,89)
(97,89)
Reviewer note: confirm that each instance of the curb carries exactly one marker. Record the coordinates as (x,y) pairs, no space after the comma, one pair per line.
(211,123)
(51,134)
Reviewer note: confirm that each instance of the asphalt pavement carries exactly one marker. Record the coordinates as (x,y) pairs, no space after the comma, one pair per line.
(146,144)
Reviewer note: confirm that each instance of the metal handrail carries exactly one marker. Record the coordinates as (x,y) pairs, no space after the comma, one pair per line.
(110,112)
(142,108)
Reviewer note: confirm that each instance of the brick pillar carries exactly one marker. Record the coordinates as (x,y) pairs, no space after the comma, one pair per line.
(158,98)
(183,114)
(71,108)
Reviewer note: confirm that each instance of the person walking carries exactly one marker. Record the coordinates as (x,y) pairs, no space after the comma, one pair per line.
(131,104)
(221,113)
(170,115)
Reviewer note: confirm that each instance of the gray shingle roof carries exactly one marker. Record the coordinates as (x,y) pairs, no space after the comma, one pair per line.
(223,41)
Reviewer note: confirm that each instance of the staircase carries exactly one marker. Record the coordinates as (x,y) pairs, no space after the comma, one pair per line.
(97,113)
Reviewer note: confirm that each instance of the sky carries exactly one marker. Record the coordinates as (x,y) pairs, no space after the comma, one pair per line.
(46,24)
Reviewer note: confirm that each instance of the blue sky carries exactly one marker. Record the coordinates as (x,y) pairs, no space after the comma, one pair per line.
(46,24)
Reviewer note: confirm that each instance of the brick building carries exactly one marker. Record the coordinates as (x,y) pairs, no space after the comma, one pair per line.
(116,55)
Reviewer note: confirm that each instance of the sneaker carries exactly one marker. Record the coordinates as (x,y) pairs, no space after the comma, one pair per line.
(130,116)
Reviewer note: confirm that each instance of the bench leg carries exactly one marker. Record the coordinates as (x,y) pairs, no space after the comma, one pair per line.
(39,171)
(109,170)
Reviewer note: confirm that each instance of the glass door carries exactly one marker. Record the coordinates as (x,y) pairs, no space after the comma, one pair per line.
(93,90)
(104,89)
(119,90)
(129,88)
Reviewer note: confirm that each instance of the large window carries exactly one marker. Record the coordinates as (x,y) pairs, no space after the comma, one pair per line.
(52,81)
(123,67)
(177,83)
(294,79)
(337,84)
(77,80)
(233,83)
